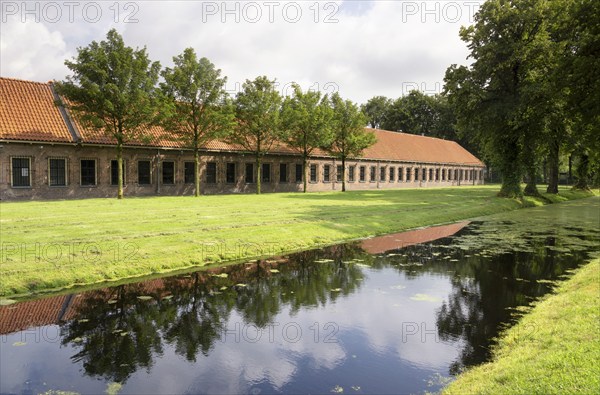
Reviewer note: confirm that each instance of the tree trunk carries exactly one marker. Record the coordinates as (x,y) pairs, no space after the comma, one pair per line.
(545,171)
(511,185)
(570,180)
(582,172)
(304,164)
(343,174)
(196,171)
(120,170)
(553,167)
(511,173)
(258,173)
(531,187)
(529,160)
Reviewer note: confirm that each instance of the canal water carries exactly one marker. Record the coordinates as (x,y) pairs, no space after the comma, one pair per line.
(402,313)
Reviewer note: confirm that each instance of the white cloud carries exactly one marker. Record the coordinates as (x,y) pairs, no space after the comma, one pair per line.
(31,51)
(380,47)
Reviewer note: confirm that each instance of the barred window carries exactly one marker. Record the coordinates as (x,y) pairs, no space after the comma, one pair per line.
(211,172)
(168,172)
(249,177)
(351,173)
(230,173)
(189,172)
(266,172)
(313,173)
(88,172)
(326,173)
(283,172)
(21,172)
(57,172)
(144,172)
(114,172)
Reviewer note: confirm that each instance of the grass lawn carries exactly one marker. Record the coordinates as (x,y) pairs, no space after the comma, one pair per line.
(554,349)
(56,244)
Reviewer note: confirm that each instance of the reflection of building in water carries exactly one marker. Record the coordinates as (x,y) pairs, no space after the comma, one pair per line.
(57,309)
(378,245)
(39,312)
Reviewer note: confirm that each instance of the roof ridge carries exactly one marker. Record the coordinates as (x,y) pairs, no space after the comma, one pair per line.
(22,80)
(407,134)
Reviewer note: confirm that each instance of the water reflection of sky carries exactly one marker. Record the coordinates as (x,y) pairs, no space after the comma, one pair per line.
(368,349)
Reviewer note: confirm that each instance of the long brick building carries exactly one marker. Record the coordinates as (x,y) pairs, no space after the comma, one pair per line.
(46,154)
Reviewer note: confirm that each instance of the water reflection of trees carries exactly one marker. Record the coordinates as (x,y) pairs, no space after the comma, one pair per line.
(115,334)
(484,288)
(122,329)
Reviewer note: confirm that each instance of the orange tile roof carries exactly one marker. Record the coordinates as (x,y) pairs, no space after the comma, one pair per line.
(28,112)
(414,148)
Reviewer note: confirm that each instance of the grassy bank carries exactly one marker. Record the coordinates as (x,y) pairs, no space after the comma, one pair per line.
(48,245)
(554,349)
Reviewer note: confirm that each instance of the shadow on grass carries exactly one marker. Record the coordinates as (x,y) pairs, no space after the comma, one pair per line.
(372,213)
(400,193)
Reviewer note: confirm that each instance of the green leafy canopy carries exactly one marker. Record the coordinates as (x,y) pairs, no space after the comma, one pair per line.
(112,88)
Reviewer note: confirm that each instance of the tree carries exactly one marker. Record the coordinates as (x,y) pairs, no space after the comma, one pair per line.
(495,97)
(198,108)
(413,113)
(257,109)
(306,119)
(579,72)
(376,110)
(112,90)
(349,135)
(418,113)
(558,131)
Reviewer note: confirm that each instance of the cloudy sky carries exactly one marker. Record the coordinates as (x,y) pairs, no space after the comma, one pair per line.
(359,48)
